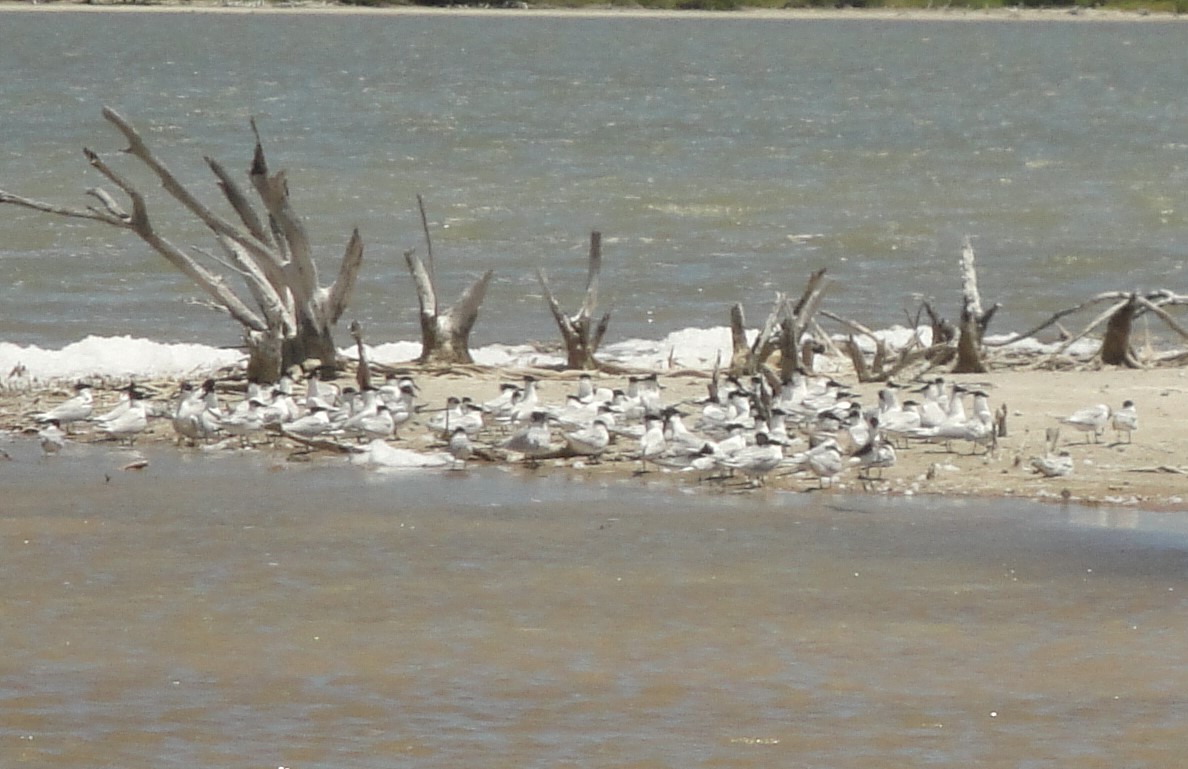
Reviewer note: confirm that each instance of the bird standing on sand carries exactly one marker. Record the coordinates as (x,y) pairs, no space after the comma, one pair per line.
(52,438)
(401,403)
(190,419)
(119,409)
(371,424)
(444,421)
(313,424)
(758,461)
(533,441)
(1089,420)
(460,448)
(651,443)
(75,409)
(826,462)
(1126,419)
(246,422)
(131,422)
(875,454)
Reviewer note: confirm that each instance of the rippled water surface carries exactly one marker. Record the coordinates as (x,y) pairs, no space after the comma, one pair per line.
(723,159)
(214,611)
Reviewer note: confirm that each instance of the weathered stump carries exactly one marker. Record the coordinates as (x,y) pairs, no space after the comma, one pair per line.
(1115,345)
(581,335)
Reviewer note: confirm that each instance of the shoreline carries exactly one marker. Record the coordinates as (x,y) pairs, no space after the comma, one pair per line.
(1144,473)
(760,14)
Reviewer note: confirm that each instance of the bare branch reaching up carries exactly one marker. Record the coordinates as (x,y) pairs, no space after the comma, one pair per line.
(974,320)
(581,336)
(272,260)
(445,337)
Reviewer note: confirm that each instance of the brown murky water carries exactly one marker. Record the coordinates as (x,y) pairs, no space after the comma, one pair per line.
(216,612)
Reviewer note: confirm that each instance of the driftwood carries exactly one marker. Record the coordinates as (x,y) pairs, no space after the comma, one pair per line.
(1055,319)
(866,372)
(1117,346)
(783,332)
(363,368)
(797,321)
(582,337)
(290,315)
(974,320)
(445,336)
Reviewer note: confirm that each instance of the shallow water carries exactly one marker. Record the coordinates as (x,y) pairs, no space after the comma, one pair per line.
(218,611)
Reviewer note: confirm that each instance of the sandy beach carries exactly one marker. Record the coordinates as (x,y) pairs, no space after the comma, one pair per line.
(1148,471)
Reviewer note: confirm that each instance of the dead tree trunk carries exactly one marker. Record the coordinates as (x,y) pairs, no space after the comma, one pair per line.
(581,335)
(363,370)
(781,332)
(1115,345)
(293,315)
(445,337)
(740,349)
(973,319)
(796,322)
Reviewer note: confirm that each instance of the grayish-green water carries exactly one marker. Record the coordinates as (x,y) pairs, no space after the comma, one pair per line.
(722,159)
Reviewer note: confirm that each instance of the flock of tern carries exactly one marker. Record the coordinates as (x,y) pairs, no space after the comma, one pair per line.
(810,426)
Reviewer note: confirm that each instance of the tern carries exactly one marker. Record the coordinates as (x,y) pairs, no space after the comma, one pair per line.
(756,462)
(75,409)
(52,438)
(193,418)
(131,422)
(122,405)
(400,403)
(825,461)
(533,441)
(1126,419)
(447,419)
(1053,465)
(245,422)
(589,393)
(876,454)
(528,404)
(651,443)
(313,424)
(500,406)
(1089,420)
(370,424)
(589,441)
(459,447)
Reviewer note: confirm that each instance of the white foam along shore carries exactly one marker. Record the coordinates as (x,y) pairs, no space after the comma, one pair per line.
(125,357)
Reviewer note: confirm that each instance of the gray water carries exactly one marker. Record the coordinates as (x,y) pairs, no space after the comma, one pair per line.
(722,159)
(230,611)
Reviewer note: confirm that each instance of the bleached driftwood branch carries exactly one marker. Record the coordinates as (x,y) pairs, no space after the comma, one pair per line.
(974,319)
(582,337)
(445,336)
(293,313)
